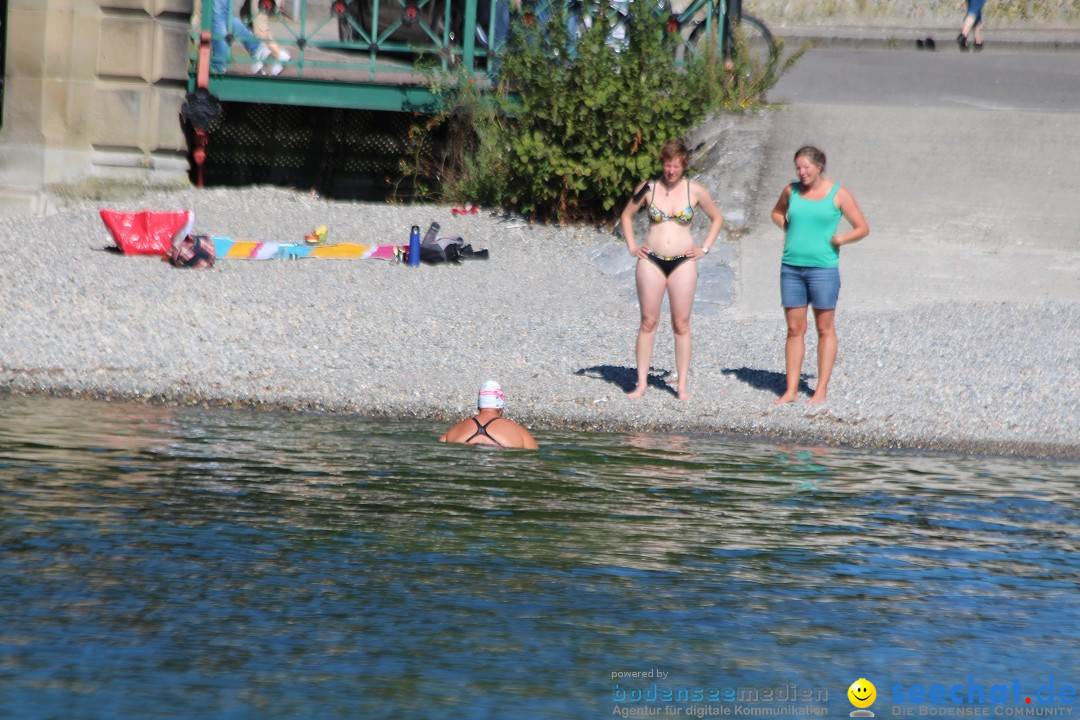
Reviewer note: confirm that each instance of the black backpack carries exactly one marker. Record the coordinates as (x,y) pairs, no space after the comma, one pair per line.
(449,250)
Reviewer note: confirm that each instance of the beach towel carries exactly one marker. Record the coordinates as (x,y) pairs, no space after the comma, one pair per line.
(265,250)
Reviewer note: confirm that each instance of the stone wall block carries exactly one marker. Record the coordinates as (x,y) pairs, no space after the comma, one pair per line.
(183,7)
(126,47)
(26,44)
(25,6)
(144,5)
(59,35)
(22,111)
(165,110)
(65,121)
(121,114)
(172,46)
(21,166)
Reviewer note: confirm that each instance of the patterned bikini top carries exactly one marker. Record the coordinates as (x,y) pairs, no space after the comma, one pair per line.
(683,217)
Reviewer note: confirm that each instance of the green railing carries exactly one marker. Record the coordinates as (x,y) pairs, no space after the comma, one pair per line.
(363,53)
(346,53)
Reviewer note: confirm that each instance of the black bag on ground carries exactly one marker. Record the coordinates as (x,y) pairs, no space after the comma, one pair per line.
(449,250)
(441,250)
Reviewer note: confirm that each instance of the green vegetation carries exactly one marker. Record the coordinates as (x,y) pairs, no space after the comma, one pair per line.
(573,126)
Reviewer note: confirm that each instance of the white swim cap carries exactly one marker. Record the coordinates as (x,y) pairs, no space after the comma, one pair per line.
(491,396)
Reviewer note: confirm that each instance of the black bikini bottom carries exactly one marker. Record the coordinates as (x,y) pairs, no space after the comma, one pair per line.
(667,265)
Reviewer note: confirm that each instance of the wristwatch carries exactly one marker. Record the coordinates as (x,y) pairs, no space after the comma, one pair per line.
(705,249)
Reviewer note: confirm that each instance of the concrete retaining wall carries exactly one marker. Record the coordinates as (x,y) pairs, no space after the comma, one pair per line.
(93,90)
(920,13)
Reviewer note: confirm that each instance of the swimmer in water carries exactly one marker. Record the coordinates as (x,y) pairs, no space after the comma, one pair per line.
(488,426)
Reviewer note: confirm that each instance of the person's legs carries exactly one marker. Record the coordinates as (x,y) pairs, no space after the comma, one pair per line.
(651,284)
(681,286)
(794,349)
(499,36)
(223,23)
(219,28)
(502,25)
(972,19)
(969,22)
(823,289)
(825,321)
(260,26)
(795,297)
(241,33)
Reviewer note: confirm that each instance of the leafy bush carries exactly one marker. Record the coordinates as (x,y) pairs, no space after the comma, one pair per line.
(577,122)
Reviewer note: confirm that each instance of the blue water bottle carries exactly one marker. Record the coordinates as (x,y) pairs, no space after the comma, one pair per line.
(414,246)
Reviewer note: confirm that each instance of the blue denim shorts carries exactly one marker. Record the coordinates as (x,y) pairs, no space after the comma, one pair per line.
(802,286)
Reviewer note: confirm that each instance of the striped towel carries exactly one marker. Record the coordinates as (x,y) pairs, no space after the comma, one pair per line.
(256,250)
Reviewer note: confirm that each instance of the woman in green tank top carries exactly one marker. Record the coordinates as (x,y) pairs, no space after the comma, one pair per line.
(809,212)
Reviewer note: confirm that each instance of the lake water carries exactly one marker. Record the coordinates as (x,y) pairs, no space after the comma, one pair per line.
(189,563)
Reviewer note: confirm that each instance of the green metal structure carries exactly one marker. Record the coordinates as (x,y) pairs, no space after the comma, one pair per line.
(362,54)
(331,106)
(359,54)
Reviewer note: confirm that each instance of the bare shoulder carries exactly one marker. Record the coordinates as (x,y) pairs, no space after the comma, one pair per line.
(458,433)
(522,438)
(700,194)
(843,195)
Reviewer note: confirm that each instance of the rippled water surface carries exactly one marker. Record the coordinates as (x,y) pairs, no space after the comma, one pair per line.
(174,563)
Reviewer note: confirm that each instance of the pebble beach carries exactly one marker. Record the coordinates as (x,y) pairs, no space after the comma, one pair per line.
(552,315)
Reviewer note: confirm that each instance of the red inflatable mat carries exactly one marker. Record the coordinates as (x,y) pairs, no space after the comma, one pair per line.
(148,232)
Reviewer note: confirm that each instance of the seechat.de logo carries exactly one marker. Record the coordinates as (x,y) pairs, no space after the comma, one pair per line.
(862,695)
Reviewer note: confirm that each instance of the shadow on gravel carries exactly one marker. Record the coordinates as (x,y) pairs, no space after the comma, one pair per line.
(767,380)
(626,378)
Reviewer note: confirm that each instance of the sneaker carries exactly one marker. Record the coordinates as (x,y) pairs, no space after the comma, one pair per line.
(961,40)
(282,57)
(259,57)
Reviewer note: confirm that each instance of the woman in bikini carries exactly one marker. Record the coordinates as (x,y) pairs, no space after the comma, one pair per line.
(668,259)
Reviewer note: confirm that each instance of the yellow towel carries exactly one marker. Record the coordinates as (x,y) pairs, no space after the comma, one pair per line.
(342,251)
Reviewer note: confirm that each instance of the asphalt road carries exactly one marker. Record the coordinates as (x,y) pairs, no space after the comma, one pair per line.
(945,78)
(965,166)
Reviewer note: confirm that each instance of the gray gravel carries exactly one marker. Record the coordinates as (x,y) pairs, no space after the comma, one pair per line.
(551,315)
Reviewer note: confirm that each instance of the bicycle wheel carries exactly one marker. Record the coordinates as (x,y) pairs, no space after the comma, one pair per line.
(751,36)
(756,41)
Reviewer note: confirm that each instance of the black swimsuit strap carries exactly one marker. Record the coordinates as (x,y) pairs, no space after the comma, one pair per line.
(482,430)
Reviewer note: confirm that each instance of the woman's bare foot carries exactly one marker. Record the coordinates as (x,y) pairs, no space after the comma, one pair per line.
(684,394)
(817,398)
(637,392)
(788,397)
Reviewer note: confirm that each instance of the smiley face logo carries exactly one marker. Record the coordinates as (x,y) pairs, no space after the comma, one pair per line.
(862,694)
